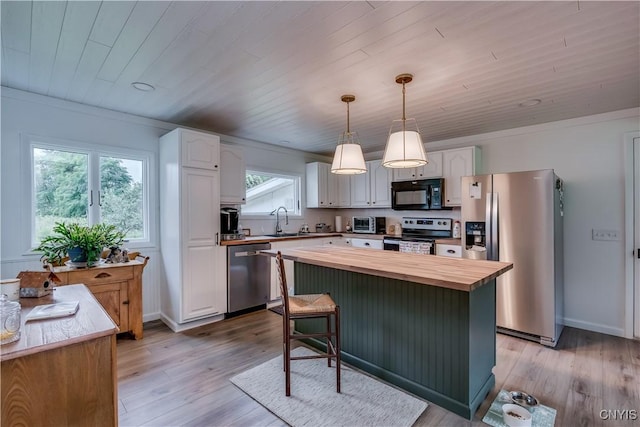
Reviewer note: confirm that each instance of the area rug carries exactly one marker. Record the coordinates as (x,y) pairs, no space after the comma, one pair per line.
(364,401)
(542,416)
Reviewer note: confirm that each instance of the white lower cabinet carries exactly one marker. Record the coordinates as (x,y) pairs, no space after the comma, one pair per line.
(367,243)
(453,251)
(288,269)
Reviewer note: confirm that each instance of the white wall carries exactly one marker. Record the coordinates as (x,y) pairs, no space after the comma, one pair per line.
(587,153)
(27,113)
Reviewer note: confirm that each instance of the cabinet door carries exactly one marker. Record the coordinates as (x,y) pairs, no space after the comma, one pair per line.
(114,298)
(380,185)
(433,169)
(367,243)
(332,188)
(200,207)
(360,190)
(200,150)
(317,182)
(288,269)
(200,225)
(456,164)
(344,191)
(404,174)
(199,284)
(232,175)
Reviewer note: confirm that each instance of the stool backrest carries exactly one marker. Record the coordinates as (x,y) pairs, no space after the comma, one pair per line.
(282,281)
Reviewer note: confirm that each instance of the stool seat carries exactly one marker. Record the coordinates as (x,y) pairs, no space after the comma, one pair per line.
(314,303)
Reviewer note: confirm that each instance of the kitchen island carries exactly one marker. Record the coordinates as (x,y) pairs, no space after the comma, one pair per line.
(424,323)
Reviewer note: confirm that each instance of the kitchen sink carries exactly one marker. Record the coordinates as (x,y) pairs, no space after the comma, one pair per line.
(282,235)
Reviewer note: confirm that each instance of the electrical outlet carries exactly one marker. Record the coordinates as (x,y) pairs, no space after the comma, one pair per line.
(605,234)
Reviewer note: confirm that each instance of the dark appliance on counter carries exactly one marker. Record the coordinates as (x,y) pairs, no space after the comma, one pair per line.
(423,194)
(369,224)
(419,235)
(249,277)
(229,224)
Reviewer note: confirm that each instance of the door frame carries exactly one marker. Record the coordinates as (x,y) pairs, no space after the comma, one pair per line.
(632,235)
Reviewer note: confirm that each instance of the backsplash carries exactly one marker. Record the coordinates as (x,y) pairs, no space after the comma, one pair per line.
(314,216)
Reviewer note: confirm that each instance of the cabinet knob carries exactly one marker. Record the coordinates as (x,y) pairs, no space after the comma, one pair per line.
(374,203)
(125,302)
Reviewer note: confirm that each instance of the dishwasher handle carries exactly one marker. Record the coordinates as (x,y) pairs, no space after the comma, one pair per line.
(246,253)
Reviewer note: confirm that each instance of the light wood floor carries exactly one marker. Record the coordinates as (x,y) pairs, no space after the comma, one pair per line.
(170,379)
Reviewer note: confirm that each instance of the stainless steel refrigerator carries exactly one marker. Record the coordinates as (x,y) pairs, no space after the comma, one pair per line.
(517,217)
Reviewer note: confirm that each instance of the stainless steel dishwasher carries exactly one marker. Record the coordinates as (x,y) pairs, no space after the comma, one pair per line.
(249,279)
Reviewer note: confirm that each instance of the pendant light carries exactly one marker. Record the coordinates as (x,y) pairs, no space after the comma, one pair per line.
(348,158)
(404,147)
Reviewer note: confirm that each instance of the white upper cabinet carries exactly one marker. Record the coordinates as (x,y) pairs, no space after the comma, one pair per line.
(199,150)
(233,189)
(343,184)
(325,189)
(456,164)
(433,169)
(372,189)
(380,185)
(318,184)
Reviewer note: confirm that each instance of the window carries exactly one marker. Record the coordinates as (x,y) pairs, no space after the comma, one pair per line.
(73,183)
(268,191)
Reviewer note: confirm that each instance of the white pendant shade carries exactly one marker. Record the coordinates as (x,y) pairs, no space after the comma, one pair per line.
(404,150)
(348,160)
(404,147)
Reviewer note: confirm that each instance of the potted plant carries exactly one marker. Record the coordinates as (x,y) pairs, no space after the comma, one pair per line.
(83,244)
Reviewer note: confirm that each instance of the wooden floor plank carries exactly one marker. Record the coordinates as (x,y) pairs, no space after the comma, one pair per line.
(172,378)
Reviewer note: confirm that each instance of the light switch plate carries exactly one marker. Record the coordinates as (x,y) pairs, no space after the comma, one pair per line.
(605,234)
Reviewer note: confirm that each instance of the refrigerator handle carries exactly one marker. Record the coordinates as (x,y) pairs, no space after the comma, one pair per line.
(491,227)
(495,247)
(487,226)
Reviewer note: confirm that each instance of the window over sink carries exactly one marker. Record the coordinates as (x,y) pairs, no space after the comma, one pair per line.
(267,191)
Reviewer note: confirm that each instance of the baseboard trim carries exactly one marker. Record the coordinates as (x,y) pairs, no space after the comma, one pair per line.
(181,327)
(594,327)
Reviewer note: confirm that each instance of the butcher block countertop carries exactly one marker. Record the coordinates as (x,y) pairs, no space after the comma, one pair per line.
(453,273)
(90,322)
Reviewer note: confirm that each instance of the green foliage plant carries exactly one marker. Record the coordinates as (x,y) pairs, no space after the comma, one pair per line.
(90,239)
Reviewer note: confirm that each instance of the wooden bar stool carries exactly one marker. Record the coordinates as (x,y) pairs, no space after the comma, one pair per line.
(307,307)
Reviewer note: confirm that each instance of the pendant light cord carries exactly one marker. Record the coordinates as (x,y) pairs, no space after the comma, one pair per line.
(348,131)
(404,118)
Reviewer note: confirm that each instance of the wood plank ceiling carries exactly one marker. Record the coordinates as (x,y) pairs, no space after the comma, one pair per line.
(274,71)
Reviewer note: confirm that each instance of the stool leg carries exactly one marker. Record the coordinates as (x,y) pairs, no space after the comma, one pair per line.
(287,359)
(328,339)
(337,347)
(284,341)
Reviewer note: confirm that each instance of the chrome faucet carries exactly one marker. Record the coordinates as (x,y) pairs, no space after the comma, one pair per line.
(286,218)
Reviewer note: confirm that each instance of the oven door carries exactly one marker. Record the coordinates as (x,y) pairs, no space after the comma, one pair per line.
(422,247)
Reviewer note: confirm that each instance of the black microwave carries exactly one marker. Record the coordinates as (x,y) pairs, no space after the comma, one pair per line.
(423,194)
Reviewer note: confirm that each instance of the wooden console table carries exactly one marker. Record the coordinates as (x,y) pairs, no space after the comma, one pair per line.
(118,287)
(61,372)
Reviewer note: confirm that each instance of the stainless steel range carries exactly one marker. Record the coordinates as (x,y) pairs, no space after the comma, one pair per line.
(419,235)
